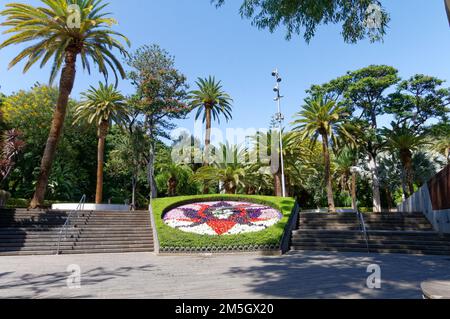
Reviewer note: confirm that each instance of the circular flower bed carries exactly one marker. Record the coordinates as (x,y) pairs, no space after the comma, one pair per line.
(222,218)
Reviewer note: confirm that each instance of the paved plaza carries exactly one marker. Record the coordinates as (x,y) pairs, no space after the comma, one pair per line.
(144,275)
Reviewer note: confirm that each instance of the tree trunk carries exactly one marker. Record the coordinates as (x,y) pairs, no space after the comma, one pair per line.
(406,159)
(65,89)
(151,171)
(206,155)
(172,184)
(328,181)
(102,132)
(278,188)
(207,137)
(373,165)
(354,196)
(230,188)
(133,191)
(389,199)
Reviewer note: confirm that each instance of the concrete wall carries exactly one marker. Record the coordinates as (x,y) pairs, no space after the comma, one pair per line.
(432,200)
(421,202)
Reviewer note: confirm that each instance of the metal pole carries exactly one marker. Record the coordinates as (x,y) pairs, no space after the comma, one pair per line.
(280,126)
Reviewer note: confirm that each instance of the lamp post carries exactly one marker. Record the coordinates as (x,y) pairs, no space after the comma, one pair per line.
(447,7)
(279,118)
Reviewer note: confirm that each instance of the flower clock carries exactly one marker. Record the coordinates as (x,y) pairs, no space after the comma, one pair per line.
(222,218)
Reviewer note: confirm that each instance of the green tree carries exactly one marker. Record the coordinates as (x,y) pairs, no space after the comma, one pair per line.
(440,139)
(417,100)
(305,16)
(321,118)
(176,179)
(160,98)
(211,103)
(227,169)
(344,161)
(363,90)
(74,164)
(102,107)
(404,140)
(125,168)
(55,33)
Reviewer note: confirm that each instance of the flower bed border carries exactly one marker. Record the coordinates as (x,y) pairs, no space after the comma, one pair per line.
(169,242)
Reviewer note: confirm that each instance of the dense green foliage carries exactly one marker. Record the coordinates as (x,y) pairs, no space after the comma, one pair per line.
(305,16)
(74,167)
(170,237)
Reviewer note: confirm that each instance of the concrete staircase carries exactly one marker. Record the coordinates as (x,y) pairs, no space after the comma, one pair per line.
(387,233)
(25,232)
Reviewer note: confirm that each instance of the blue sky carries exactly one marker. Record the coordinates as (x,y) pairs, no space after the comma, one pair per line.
(209,41)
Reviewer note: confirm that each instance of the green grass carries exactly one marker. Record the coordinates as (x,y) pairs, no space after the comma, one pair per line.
(173,238)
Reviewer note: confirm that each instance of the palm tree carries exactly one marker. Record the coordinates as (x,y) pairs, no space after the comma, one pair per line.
(212,102)
(54,35)
(403,140)
(227,169)
(102,107)
(344,162)
(173,173)
(321,118)
(441,145)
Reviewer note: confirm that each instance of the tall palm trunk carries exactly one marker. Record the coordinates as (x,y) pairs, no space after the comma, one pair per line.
(406,158)
(65,89)
(207,143)
(207,137)
(230,188)
(172,184)
(102,132)
(328,181)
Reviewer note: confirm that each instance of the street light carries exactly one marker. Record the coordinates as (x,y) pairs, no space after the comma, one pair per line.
(447,7)
(279,118)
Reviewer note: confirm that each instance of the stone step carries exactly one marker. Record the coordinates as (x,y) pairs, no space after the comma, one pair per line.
(442,244)
(20,241)
(108,251)
(356,228)
(38,233)
(84,251)
(444,249)
(364,250)
(28,253)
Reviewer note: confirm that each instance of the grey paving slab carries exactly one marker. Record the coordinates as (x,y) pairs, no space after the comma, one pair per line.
(145,275)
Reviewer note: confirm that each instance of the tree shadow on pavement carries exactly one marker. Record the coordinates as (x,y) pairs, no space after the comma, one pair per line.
(312,275)
(35,286)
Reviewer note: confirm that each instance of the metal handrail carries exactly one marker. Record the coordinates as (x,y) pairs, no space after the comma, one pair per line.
(363,229)
(65,227)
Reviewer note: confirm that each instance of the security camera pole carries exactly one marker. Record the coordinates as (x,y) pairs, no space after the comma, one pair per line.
(280,118)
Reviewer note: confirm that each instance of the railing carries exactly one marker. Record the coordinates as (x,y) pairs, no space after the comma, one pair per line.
(69,218)
(363,229)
